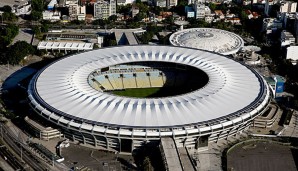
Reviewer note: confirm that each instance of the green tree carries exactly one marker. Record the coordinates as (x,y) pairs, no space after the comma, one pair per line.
(6,8)
(36,30)
(147,166)
(37,5)
(44,28)
(36,15)
(113,18)
(7,34)
(123,9)
(143,7)
(140,16)
(8,16)
(18,51)
(212,6)
(146,37)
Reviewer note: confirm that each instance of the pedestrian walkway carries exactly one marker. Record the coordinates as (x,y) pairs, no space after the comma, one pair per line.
(292,129)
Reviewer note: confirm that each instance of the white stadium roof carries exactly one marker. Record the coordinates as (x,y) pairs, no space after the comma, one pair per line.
(215,40)
(62,89)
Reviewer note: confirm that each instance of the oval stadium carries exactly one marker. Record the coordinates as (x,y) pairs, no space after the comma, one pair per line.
(211,39)
(122,97)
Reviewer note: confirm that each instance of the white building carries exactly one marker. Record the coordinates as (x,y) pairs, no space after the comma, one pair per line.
(51,15)
(81,13)
(288,6)
(286,38)
(199,8)
(64,46)
(18,7)
(292,54)
(104,9)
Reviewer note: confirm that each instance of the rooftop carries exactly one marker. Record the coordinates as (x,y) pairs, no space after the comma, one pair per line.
(210,39)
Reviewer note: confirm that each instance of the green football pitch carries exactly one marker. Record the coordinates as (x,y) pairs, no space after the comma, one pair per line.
(138,92)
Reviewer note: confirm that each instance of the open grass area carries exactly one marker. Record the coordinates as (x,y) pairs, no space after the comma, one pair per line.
(138,92)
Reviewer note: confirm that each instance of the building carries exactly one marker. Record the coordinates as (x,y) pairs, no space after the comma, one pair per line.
(104,9)
(81,16)
(292,54)
(286,38)
(272,24)
(190,12)
(216,40)
(288,6)
(51,5)
(87,37)
(219,14)
(165,3)
(199,8)
(17,7)
(86,113)
(51,15)
(73,9)
(43,133)
(64,46)
(276,84)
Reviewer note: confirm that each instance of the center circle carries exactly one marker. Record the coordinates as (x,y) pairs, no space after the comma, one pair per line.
(148,79)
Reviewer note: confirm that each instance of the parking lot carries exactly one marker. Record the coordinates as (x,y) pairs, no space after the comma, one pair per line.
(94,159)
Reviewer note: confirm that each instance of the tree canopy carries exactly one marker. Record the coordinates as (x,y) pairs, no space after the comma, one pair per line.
(6,8)
(18,51)
(7,34)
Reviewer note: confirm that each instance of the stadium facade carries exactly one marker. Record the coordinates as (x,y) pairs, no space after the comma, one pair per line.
(63,94)
(215,40)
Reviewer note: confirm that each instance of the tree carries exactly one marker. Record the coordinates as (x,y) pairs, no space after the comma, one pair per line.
(123,9)
(6,8)
(36,30)
(7,34)
(146,37)
(8,16)
(147,164)
(140,16)
(36,15)
(113,18)
(212,6)
(18,51)
(44,28)
(37,5)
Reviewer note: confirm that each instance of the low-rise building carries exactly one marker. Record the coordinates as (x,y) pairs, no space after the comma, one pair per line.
(52,4)
(190,13)
(286,38)
(219,14)
(271,24)
(17,7)
(64,46)
(51,15)
(292,54)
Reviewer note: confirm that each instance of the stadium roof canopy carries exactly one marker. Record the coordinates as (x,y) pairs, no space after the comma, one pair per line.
(49,45)
(210,39)
(62,90)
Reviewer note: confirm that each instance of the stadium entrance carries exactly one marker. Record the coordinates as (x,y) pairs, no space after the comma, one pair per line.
(148,79)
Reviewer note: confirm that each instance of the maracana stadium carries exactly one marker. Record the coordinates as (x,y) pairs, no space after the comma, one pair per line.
(121,97)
